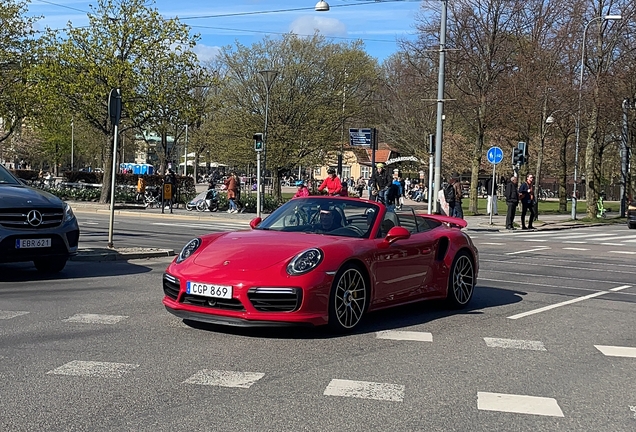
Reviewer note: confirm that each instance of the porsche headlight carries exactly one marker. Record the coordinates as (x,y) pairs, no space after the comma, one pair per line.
(68,213)
(304,262)
(188,249)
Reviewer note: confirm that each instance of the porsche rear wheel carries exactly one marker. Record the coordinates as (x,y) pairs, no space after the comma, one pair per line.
(461,281)
(348,299)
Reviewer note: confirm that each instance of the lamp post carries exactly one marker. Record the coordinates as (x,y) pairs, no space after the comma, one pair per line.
(268,77)
(578,110)
(185,156)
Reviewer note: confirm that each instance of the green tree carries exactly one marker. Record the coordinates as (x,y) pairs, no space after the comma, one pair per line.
(306,115)
(18,50)
(126,44)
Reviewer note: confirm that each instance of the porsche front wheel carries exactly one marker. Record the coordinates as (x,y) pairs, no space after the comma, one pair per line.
(461,281)
(348,299)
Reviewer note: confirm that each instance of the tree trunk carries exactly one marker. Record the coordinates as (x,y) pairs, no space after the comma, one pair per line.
(474,172)
(591,173)
(108,169)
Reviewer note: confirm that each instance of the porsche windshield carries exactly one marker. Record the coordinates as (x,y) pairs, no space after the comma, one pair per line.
(6,177)
(330,216)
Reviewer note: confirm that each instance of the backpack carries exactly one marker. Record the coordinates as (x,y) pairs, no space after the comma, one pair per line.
(449,193)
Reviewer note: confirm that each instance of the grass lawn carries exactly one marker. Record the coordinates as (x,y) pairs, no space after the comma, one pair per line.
(545,207)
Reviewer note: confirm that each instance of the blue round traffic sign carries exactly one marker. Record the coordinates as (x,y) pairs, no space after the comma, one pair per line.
(495,155)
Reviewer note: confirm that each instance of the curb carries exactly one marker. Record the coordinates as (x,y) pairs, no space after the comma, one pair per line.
(123,254)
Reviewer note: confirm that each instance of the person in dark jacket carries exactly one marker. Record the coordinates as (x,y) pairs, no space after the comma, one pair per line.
(512,199)
(527,198)
(379,182)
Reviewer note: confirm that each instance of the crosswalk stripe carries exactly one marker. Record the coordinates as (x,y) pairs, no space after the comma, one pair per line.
(520,404)
(225,378)
(11,314)
(515,344)
(365,390)
(405,335)
(95,319)
(93,368)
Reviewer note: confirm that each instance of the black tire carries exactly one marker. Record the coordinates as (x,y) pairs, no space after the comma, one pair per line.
(631,225)
(346,306)
(461,281)
(50,265)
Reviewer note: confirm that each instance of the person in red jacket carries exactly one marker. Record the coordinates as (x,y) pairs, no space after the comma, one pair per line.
(302,190)
(331,183)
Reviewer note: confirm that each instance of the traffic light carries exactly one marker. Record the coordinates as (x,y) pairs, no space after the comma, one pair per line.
(516,156)
(523,148)
(258,142)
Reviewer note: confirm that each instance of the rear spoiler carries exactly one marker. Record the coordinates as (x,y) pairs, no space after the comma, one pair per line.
(448,220)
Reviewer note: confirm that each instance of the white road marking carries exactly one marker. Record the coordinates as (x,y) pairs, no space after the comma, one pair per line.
(616,351)
(518,404)
(623,252)
(605,269)
(581,236)
(575,242)
(365,390)
(225,378)
(534,240)
(539,284)
(95,319)
(405,335)
(612,244)
(529,250)
(89,223)
(93,368)
(11,314)
(576,249)
(493,244)
(515,343)
(568,302)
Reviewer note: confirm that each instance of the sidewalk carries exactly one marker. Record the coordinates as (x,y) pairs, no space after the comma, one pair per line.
(545,221)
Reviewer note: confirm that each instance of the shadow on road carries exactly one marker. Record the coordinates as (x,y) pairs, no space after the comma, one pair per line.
(388,319)
(26,272)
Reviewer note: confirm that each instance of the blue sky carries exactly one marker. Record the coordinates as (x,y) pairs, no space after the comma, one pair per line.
(379,24)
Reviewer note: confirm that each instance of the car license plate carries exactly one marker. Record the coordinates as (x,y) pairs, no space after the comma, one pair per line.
(32,243)
(209,290)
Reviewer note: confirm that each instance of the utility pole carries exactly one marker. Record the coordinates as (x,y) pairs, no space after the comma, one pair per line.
(625,150)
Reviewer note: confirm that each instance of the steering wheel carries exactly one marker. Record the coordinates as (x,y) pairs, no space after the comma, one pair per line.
(353,228)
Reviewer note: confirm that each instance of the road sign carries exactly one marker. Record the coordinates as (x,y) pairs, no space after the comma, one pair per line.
(360,137)
(495,155)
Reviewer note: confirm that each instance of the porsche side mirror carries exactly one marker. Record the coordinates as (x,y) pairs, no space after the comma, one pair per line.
(395,234)
(254,222)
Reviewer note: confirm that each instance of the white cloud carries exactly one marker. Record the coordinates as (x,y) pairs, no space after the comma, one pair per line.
(205,52)
(307,25)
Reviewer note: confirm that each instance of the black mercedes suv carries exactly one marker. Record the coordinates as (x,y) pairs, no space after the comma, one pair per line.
(35,226)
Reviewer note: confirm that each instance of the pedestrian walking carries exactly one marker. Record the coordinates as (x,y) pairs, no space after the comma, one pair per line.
(361,184)
(449,196)
(232,192)
(491,192)
(512,200)
(527,197)
(171,179)
(457,210)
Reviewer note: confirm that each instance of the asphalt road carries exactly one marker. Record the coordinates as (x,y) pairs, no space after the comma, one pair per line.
(547,344)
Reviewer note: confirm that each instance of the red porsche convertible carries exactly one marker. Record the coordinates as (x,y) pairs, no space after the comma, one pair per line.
(321,260)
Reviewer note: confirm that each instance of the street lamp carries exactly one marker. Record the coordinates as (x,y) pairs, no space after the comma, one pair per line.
(322,6)
(268,77)
(578,110)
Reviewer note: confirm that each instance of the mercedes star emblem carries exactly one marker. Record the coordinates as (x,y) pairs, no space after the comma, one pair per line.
(34,218)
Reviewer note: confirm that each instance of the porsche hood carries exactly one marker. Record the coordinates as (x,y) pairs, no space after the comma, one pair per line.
(256,250)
